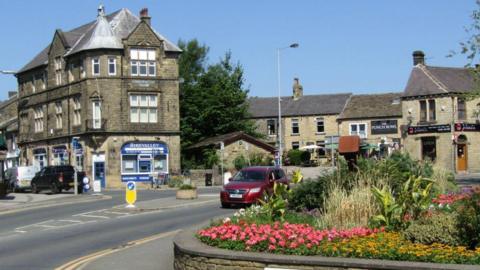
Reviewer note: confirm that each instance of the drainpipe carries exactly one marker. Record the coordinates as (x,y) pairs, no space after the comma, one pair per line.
(454,161)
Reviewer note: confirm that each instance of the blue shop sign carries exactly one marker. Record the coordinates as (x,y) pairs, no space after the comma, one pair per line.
(135,148)
(136,178)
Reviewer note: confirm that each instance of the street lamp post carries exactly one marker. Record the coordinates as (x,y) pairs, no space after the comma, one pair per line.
(279,133)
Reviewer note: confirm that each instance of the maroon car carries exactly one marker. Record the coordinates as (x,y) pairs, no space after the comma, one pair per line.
(250,184)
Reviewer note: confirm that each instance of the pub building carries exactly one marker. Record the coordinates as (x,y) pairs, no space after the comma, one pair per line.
(376,119)
(440,125)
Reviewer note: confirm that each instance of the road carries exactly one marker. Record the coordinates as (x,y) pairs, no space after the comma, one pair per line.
(49,237)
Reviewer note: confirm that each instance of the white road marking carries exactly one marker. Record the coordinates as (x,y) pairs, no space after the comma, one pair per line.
(71,220)
(92,216)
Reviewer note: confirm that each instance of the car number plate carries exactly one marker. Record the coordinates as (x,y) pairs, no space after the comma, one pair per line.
(25,183)
(235,195)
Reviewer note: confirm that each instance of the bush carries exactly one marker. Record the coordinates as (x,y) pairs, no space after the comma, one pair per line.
(240,162)
(309,195)
(186,187)
(175,181)
(295,157)
(305,156)
(437,228)
(468,219)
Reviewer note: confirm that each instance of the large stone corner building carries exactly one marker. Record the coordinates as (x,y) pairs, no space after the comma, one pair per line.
(111,84)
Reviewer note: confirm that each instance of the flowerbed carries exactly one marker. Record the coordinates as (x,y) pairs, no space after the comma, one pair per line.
(302,239)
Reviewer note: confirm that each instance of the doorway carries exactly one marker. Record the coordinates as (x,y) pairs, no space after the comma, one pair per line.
(99,172)
(462,156)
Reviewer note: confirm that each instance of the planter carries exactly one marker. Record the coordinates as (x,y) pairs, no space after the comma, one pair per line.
(186,194)
(191,254)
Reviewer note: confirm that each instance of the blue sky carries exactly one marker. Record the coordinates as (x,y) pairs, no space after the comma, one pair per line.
(345,46)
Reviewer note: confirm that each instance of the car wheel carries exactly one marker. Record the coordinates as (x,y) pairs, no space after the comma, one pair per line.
(225,205)
(34,188)
(54,188)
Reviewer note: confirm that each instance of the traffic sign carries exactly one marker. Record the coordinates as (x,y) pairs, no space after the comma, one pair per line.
(131,193)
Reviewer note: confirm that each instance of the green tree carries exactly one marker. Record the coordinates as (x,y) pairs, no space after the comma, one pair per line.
(213,99)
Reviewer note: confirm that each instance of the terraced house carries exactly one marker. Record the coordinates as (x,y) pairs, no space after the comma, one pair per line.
(306,120)
(443,125)
(112,86)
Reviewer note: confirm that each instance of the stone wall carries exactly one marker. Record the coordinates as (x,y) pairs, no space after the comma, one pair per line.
(191,254)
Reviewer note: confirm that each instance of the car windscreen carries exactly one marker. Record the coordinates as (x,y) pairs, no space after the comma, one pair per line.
(249,176)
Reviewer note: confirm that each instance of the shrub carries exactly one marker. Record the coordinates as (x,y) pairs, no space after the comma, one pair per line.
(240,162)
(186,187)
(468,219)
(305,156)
(436,228)
(175,181)
(295,157)
(309,194)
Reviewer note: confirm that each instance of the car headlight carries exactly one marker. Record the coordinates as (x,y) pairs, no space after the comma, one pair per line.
(255,190)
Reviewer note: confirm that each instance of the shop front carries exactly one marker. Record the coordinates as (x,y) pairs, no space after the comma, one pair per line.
(60,155)
(140,161)
(39,158)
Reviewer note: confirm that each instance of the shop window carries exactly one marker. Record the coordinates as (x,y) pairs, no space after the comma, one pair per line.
(320,125)
(159,163)
(79,162)
(429,149)
(271,127)
(129,163)
(295,127)
(461,109)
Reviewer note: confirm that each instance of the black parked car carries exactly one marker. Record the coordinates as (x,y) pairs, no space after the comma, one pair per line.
(56,178)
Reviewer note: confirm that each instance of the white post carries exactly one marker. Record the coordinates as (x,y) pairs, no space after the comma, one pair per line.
(75,176)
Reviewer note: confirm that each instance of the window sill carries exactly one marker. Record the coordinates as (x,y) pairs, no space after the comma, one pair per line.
(295,134)
(426,123)
(320,133)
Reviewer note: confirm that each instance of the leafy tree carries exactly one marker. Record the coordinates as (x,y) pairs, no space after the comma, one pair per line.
(213,99)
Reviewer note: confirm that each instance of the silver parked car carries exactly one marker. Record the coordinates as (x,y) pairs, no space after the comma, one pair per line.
(19,178)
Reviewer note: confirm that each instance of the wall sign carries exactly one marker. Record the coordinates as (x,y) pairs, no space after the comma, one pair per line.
(466,127)
(384,127)
(135,148)
(429,129)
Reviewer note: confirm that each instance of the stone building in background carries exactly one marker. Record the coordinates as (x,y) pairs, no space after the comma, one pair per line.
(376,119)
(306,120)
(442,125)
(112,86)
(9,130)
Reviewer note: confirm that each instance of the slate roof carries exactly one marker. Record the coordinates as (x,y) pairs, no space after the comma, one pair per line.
(372,106)
(97,34)
(428,80)
(231,138)
(260,107)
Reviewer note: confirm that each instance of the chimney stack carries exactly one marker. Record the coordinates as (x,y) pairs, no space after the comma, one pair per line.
(418,58)
(297,89)
(144,16)
(12,94)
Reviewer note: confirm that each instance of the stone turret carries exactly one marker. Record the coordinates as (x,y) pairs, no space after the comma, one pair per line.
(297,89)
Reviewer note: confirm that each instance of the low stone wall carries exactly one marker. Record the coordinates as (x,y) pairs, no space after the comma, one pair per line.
(191,254)
(198,177)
